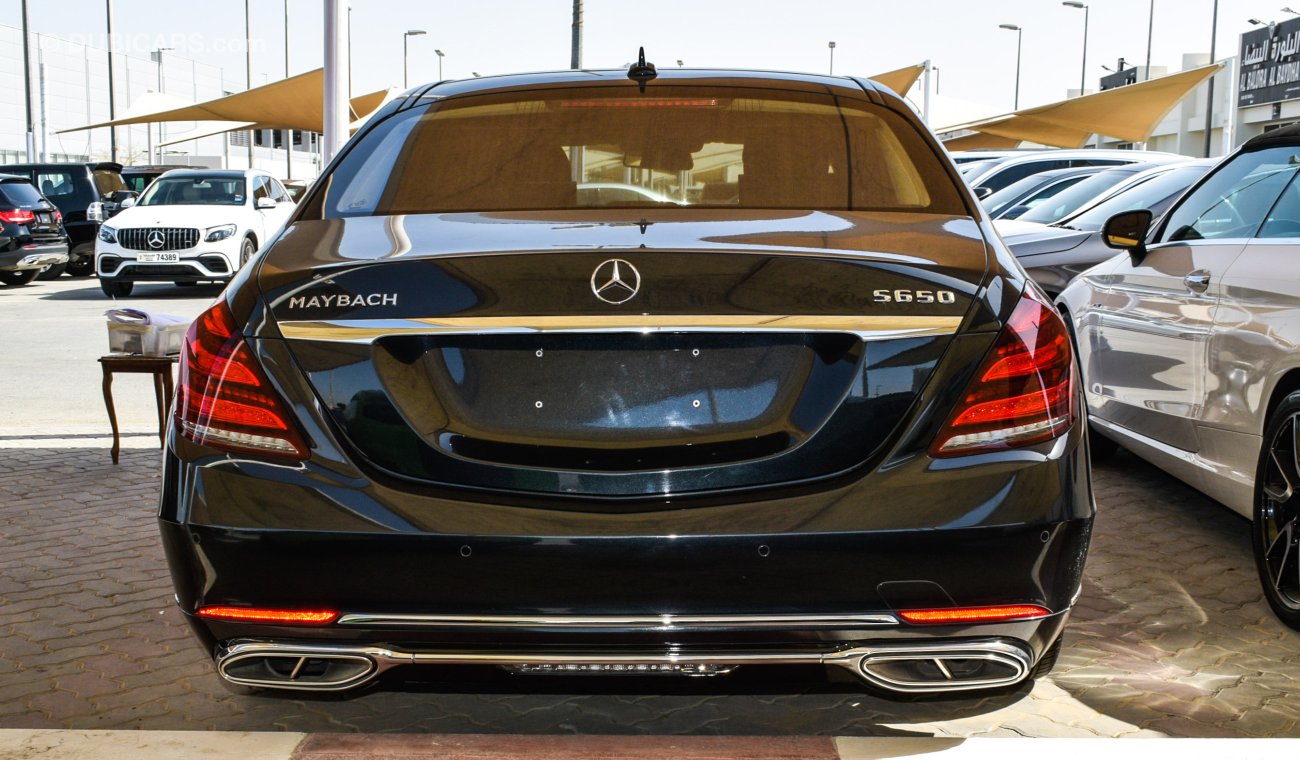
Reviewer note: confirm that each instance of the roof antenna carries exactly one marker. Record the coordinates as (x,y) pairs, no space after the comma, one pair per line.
(641,72)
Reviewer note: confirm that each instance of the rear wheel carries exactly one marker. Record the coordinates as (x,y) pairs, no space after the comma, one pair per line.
(19,278)
(116,288)
(81,261)
(1275,529)
(52,272)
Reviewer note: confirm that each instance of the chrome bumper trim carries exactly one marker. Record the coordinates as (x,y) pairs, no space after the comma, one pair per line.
(856,659)
(865,327)
(624,622)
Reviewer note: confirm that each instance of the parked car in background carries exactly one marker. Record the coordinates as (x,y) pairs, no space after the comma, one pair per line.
(1019,197)
(1188,346)
(137,178)
(1085,193)
(191,225)
(296,188)
(31,232)
(86,194)
(457,414)
(1004,171)
(1053,254)
(963,157)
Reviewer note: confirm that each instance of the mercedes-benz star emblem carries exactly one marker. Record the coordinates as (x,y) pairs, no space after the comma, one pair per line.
(615,281)
(156,240)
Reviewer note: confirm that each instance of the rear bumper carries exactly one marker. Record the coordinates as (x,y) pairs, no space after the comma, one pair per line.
(34,257)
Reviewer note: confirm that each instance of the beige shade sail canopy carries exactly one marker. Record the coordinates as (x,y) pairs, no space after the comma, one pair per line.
(1127,113)
(293,103)
(900,80)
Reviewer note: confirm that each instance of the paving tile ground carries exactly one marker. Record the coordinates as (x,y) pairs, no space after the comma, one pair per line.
(1170,637)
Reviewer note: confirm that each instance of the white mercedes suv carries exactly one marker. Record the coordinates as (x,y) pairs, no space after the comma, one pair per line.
(191,225)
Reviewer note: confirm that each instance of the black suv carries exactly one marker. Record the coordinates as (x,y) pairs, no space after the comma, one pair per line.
(137,178)
(31,232)
(86,194)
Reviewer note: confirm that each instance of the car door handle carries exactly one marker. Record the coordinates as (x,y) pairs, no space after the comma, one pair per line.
(1198,281)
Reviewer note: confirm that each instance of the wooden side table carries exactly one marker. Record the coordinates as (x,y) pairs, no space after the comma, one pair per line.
(158,366)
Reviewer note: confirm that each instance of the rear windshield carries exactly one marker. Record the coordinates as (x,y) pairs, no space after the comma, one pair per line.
(108,182)
(616,148)
(20,194)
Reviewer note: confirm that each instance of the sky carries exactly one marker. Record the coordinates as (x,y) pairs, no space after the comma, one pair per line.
(976,59)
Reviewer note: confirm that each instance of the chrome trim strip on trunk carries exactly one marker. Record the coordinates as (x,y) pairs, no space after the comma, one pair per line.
(622,622)
(856,659)
(865,327)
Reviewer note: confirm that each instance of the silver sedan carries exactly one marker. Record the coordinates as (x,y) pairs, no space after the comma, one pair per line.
(1188,346)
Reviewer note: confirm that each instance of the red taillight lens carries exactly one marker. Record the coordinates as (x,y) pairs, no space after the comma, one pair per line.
(18,217)
(223,399)
(995,614)
(1023,393)
(265,615)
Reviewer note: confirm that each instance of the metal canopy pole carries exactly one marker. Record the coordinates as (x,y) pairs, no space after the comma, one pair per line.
(112,111)
(288,133)
(1209,92)
(336,82)
(575,54)
(248,70)
(27,88)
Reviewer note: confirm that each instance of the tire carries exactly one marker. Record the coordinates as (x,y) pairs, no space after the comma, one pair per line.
(81,261)
(116,288)
(1100,448)
(1275,529)
(52,272)
(1048,660)
(19,278)
(246,251)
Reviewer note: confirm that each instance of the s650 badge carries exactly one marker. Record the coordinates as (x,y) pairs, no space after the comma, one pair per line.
(906,295)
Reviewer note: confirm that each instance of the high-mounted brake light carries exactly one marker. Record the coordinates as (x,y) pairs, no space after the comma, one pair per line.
(993,614)
(224,400)
(21,216)
(641,103)
(1023,393)
(265,615)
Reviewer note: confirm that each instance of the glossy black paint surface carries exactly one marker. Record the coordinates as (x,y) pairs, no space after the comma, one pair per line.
(803,485)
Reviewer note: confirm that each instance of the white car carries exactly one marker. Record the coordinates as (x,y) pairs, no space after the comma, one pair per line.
(191,225)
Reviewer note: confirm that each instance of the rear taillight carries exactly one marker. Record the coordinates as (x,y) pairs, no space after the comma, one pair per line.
(992,614)
(20,216)
(1023,393)
(224,400)
(268,615)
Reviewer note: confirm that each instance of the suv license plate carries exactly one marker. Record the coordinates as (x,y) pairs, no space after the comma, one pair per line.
(158,258)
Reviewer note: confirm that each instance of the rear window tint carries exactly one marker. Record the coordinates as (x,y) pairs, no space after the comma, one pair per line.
(20,194)
(615,148)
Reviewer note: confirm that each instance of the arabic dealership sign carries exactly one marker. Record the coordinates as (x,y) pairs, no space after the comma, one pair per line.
(1270,64)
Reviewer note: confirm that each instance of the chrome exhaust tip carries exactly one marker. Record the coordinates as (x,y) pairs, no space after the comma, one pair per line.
(285,667)
(922,669)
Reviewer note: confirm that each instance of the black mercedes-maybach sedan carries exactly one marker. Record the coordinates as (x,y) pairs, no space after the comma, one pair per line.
(603,372)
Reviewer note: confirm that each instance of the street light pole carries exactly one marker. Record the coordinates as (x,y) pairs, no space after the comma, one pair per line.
(1151,27)
(406,65)
(1083,73)
(336,80)
(1209,90)
(1019,38)
(831,45)
(157,55)
(440,55)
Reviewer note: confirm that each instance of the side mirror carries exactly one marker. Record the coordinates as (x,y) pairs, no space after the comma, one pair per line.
(127,202)
(1127,232)
(265,203)
(983,192)
(1014,212)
